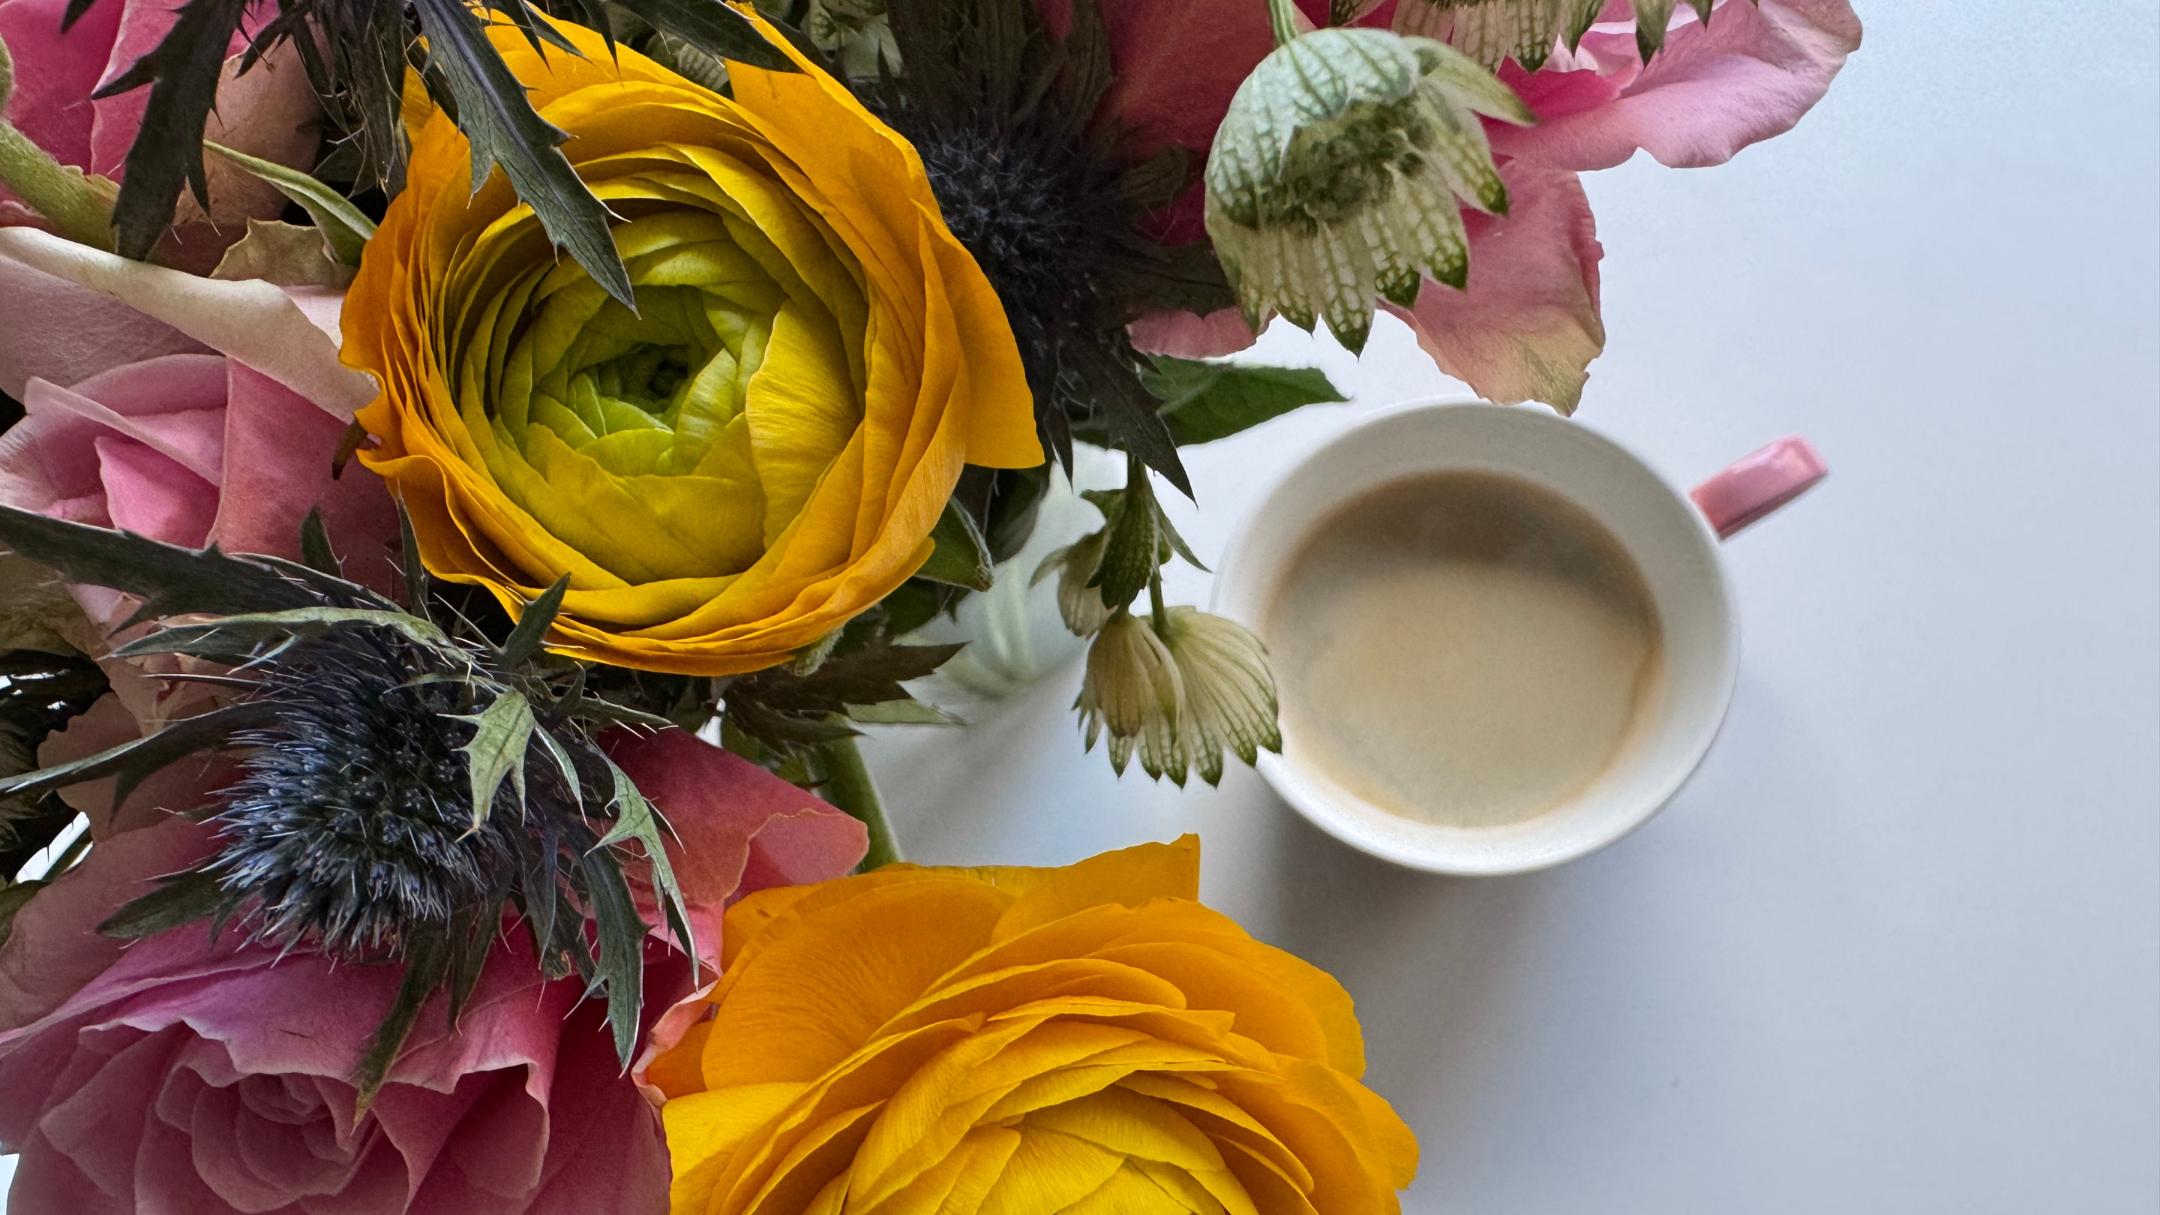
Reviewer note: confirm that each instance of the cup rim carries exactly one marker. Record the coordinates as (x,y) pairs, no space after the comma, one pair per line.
(1319,809)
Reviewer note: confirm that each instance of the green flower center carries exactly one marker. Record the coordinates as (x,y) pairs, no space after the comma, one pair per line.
(680,439)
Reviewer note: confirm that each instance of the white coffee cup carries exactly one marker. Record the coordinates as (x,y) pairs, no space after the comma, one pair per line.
(1671,535)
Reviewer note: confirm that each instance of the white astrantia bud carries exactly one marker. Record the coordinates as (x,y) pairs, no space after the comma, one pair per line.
(1528,31)
(1133,693)
(1341,170)
(1229,691)
(1074,567)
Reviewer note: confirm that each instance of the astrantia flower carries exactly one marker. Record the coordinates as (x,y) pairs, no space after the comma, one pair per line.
(1229,691)
(1336,175)
(760,451)
(1181,695)
(1133,693)
(963,1041)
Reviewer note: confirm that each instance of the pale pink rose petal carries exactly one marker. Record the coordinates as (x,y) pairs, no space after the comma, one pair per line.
(1186,335)
(1748,75)
(1528,326)
(60,332)
(278,451)
(253,322)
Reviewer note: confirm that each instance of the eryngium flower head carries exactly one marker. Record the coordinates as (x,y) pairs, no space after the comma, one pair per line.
(352,826)
(1337,173)
(1229,691)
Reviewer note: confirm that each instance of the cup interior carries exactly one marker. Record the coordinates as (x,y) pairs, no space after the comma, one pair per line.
(1661,531)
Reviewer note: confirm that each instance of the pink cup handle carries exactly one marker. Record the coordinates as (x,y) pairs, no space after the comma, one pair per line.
(1758,483)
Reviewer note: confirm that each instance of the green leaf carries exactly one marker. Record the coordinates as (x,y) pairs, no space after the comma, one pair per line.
(501,734)
(496,115)
(427,967)
(960,556)
(183,72)
(901,713)
(194,895)
(621,973)
(715,29)
(532,626)
(1203,402)
(413,573)
(170,580)
(343,227)
(636,819)
(240,637)
(315,545)
(139,757)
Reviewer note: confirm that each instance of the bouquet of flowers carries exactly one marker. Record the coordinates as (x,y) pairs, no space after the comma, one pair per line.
(468,474)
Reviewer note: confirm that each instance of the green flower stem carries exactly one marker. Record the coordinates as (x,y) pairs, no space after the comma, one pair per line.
(1159,614)
(849,786)
(78,206)
(1283,16)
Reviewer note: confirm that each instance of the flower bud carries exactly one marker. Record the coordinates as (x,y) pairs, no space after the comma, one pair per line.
(1074,567)
(1132,690)
(1336,175)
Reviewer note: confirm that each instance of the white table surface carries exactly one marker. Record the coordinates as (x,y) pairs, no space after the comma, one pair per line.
(1897,948)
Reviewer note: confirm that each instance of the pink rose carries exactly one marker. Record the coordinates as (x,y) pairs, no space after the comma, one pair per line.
(228,438)
(270,110)
(181,1074)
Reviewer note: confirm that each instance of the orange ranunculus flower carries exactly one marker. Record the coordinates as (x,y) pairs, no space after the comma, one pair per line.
(760,450)
(1088,1039)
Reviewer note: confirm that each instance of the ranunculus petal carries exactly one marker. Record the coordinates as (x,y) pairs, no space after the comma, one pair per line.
(1528,325)
(1748,74)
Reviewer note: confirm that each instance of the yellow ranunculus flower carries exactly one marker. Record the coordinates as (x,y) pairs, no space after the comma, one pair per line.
(755,455)
(1022,1042)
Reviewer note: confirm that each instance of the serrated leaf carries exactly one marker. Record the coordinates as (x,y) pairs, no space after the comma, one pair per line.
(170,580)
(472,938)
(194,895)
(342,227)
(563,763)
(960,556)
(498,118)
(715,29)
(1135,426)
(532,626)
(637,819)
(141,756)
(427,966)
(496,752)
(1203,402)
(621,969)
(183,72)
(242,636)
